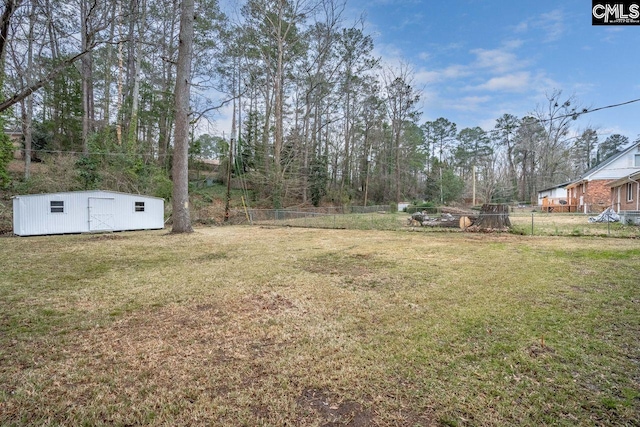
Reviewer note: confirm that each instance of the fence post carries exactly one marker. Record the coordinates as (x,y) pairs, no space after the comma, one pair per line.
(532,224)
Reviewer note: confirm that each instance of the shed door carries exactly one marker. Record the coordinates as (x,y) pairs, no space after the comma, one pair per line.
(101,214)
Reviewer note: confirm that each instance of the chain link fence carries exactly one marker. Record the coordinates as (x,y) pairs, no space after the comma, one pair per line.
(351,217)
(381,218)
(570,224)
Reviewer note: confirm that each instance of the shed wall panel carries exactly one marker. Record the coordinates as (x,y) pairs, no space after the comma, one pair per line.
(33,216)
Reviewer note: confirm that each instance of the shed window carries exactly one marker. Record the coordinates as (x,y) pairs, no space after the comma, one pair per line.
(630,192)
(57,206)
(139,207)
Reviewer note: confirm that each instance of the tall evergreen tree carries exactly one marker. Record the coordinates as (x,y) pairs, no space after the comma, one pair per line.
(611,146)
(180,196)
(583,153)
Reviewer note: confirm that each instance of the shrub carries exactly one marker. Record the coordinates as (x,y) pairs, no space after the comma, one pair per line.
(429,207)
(6,155)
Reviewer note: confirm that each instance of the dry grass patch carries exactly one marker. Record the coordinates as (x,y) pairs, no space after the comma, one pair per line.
(256,326)
(570,224)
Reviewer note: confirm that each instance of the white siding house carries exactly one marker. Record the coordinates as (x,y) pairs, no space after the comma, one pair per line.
(555,194)
(403,205)
(85,212)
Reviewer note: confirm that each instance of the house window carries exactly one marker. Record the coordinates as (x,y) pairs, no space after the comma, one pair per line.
(629,192)
(139,207)
(636,160)
(57,206)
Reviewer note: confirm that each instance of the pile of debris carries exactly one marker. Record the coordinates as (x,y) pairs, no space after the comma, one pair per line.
(608,215)
(492,218)
(446,220)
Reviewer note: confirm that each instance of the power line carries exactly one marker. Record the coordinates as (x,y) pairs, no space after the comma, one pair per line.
(576,114)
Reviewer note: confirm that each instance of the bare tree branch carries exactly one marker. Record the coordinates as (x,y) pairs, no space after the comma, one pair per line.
(8,103)
(222,104)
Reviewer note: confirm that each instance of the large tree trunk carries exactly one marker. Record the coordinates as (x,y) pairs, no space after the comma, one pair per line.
(10,7)
(107,74)
(279,131)
(493,217)
(86,74)
(132,139)
(181,216)
(27,108)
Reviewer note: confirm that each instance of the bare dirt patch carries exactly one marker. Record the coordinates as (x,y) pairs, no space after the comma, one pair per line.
(110,236)
(538,350)
(364,270)
(269,301)
(333,412)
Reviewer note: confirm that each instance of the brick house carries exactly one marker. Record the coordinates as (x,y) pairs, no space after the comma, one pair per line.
(625,193)
(592,191)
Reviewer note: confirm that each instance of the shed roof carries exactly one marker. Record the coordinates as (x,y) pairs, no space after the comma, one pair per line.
(86,191)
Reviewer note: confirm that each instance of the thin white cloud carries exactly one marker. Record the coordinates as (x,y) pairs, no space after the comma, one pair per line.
(410,21)
(513,43)
(429,99)
(446,48)
(452,72)
(488,124)
(579,89)
(498,61)
(543,84)
(521,27)
(394,2)
(551,24)
(469,103)
(514,82)
(389,53)
(611,34)
(532,85)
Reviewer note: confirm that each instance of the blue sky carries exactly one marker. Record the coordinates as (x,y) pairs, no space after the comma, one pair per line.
(478,59)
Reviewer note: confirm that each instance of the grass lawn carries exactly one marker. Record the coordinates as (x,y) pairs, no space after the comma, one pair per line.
(544,224)
(267,326)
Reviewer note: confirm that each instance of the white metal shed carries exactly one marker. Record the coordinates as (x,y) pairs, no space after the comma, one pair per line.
(85,212)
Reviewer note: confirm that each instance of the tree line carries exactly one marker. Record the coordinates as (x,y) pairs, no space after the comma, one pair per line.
(316,116)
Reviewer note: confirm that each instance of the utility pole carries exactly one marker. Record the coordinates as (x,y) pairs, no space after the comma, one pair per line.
(473,202)
(229,168)
(441,188)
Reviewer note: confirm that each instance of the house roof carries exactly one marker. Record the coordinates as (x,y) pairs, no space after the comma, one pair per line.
(564,184)
(585,176)
(575,182)
(633,177)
